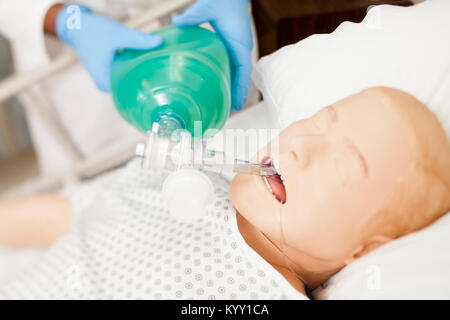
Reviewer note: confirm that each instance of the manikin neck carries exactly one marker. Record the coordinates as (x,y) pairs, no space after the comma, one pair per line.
(312,273)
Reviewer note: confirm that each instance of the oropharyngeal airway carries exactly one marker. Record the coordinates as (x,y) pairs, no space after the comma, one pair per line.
(277,187)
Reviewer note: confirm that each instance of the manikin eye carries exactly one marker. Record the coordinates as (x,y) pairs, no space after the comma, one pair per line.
(348,167)
(340,165)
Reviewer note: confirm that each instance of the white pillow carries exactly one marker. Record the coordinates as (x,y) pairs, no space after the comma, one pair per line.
(403,48)
(416,266)
(398,47)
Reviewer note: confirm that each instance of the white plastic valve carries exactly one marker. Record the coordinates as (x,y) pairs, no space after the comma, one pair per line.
(188,193)
(140,150)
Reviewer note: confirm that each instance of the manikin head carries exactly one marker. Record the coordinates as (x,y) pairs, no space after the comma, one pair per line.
(370,168)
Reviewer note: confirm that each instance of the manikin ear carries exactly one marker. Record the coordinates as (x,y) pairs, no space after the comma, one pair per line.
(372,244)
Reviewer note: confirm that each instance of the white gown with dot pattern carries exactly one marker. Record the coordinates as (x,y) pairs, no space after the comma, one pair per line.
(124,244)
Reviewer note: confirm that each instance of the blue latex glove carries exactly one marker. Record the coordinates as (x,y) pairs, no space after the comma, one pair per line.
(231,20)
(96,39)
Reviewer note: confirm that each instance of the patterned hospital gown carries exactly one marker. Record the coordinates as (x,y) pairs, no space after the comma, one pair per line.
(124,244)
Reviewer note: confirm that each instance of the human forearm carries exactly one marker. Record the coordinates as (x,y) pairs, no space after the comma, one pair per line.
(50,19)
(37,221)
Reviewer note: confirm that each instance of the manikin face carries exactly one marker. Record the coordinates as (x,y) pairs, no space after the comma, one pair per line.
(337,168)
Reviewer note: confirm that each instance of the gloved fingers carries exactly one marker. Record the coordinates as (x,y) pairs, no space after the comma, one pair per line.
(241,82)
(239,42)
(100,70)
(197,14)
(241,69)
(135,39)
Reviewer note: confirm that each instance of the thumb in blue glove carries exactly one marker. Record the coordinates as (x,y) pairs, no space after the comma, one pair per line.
(231,20)
(96,39)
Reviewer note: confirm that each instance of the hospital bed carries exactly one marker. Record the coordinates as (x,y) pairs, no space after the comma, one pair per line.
(108,158)
(419,260)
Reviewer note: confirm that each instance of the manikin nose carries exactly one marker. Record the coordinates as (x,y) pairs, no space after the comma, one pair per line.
(303,149)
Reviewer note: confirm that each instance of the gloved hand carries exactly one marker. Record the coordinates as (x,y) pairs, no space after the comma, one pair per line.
(96,39)
(231,20)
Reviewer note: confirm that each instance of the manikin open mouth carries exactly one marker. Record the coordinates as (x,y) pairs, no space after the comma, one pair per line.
(275,182)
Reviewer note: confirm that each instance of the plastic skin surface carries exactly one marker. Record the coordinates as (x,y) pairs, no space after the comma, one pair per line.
(187,79)
(368,169)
